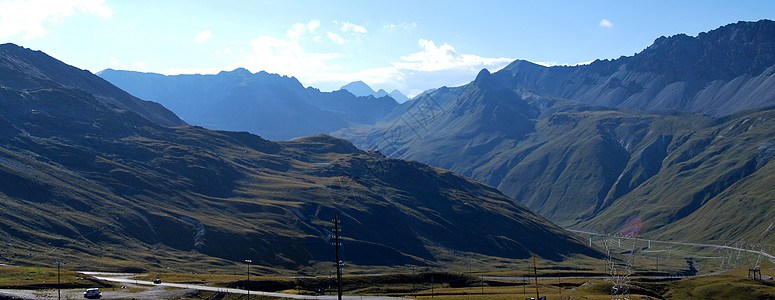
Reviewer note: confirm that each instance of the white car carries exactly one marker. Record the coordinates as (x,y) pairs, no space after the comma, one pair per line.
(92,294)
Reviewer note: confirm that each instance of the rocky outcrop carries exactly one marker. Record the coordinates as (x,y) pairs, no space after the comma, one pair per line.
(717,73)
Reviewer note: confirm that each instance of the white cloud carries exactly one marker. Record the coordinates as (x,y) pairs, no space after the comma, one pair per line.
(431,68)
(312,25)
(350,27)
(605,23)
(135,66)
(298,29)
(224,51)
(554,63)
(194,70)
(546,63)
(400,25)
(336,38)
(203,36)
(286,57)
(138,65)
(583,63)
(19,17)
(444,57)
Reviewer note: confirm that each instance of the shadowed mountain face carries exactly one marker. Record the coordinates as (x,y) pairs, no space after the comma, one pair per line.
(717,73)
(595,167)
(106,188)
(275,107)
(22,69)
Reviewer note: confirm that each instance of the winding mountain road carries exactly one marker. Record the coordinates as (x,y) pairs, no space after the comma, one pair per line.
(124,278)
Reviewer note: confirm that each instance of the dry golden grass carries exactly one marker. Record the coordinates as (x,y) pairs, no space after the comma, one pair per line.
(11,277)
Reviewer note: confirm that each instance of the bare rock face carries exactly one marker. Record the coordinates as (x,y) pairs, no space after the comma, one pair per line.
(715,73)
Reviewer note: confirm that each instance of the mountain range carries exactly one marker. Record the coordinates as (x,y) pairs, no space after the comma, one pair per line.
(360,88)
(102,180)
(678,137)
(272,106)
(717,73)
(675,142)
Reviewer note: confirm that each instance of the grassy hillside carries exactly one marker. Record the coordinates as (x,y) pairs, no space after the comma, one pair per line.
(104,188)
(567,142)
(716,186)
(681,176)
(203,197)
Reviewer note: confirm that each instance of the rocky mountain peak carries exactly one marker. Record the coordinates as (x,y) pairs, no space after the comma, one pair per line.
(718,72)
(743,48)
(358,88)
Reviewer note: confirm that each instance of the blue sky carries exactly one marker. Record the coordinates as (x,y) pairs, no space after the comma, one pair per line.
(405,45)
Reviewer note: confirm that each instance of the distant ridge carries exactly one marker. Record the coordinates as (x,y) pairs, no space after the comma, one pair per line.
(273,106)
(360,88)
(719,72)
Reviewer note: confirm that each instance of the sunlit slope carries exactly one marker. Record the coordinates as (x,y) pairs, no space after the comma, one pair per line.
(593,167)
(717,186)
(103,187)
(676,136)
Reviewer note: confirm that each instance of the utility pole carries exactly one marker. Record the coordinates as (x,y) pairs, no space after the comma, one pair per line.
(338,260)
(432,286)
(248,285)
(559,283)
(59,294)
(470,275)
(413,282)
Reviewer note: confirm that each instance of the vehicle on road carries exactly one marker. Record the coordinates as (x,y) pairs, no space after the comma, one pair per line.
(157,281)
(92,294)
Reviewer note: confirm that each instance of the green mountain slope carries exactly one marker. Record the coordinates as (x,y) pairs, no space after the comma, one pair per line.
(542,136)
(102,187)
(715,186)
(592,167)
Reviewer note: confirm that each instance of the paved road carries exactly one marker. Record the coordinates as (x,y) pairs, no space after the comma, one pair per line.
(123,279)
(530,278)
(771,257)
